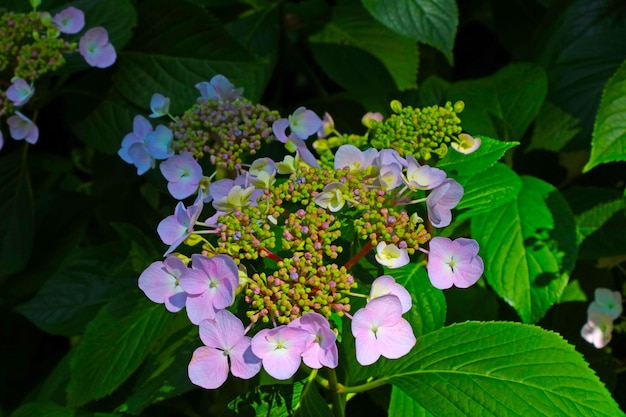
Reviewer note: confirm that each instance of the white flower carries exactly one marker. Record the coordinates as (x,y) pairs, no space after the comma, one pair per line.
(391,256)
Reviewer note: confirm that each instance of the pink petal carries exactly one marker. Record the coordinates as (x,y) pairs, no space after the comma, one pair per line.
(222,332)
(243,363)
(208,368)
(395,341)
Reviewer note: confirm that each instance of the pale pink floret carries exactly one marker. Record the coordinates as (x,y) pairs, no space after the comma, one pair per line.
(385,285)
(321,349)
(598,329)
(210,285)
(70,20)
(224,339)
(442,200)
(379,330)
(453,262)
(160,283)
(353,157)
(280,349)
(422,177)
(391,256)
(175,229)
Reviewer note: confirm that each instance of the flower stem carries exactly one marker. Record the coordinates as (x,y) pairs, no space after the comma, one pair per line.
(356,258)
(338,399)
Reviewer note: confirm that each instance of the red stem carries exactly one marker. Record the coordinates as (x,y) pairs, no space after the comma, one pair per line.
(356,258)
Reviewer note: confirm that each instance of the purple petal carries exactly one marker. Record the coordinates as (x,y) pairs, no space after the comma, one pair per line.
(304,123)
(70,20)
(243,363)
(397,340)
(223,332)
(200,307)
(279,128)
(305,154)
(160,105)
(19,92)
(158,143)
(94,46)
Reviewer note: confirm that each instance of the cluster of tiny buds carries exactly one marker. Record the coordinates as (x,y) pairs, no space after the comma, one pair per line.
(299,285)
(225,130)
(420,132)
(392,225)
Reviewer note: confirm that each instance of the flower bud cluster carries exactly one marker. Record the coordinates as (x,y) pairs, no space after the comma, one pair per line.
(225,130)
(420,132)
(392,224)
(30,47)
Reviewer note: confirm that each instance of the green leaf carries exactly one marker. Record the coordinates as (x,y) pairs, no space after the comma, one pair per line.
(514,95)
(70,298)
(178,45)
(105,125)
(49,409)
(499,369)
(312,404)
(269,401)
(554,128)
(529,248)
(429,304)
(433,22)
(16,213)
(608,142)
(403,405)
(116,342)
(601,220)
(351,25)
(487,190)
(489,152)
(474,303)
(164,373)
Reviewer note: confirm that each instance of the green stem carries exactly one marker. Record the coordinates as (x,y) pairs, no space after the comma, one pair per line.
(338,399)
(363,387)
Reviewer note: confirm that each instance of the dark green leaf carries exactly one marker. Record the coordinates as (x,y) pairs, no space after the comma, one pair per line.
(351,25)
(116,342)
(403,405)
(433,22)
(16,213)
(553,129)
(513,95)
(529,248)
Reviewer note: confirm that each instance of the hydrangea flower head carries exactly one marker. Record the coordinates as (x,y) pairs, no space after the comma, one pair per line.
(70,20)
(607,302)
(280,349)
(391,256)
(224,340)
(183,174)
(21,127)
(210,284)
(19,92)
(160,283)
(379,330)
(218,89)
(453,262)
(598,330)
(94,46)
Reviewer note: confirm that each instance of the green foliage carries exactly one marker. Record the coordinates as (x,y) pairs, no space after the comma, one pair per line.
(504,104)
(351,25)
(115,343)
(490,151)
(431,22)
(494,369)
(529,248)
(609,131)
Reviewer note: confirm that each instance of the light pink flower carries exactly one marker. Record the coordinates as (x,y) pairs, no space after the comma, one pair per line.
(598,329)
(386,284)
(183,174)
(353,157)
(442,200)
(379,330)
(21,127)
(224,339)
(280,349)
(422,177)
(321,349)
(210,285)
(174,229)
(159,282)
(467,144)
(453,262)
